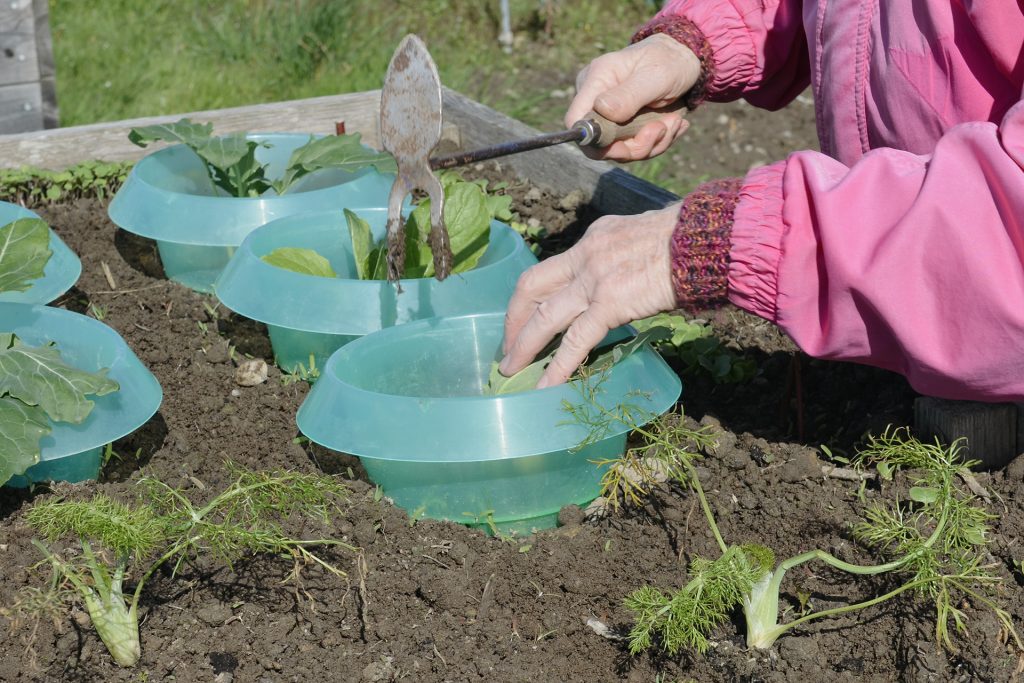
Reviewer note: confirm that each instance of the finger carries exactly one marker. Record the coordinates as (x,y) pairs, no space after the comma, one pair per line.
(638,147)
(620,102)
(548,319)
(535,286)
(584,334)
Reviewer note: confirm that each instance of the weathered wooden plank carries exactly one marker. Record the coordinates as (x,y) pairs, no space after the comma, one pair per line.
(559,169)
(47,68)
(21,107)
(990,428)
(18,57)
(62,147)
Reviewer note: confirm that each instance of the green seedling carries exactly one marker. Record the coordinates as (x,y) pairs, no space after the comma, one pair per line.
(696,347)
(118,540)
(468,211)
(89,179)
(231,163)
(934,543)
(37,388)
(301,373)
(98,312)
(600,359)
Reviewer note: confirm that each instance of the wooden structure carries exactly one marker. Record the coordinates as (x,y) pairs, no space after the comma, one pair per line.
(28,93)
(560,169)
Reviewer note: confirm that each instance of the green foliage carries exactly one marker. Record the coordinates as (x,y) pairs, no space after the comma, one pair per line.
(600,359)
(468,210)
(89,179)
(699,350)
(164,526)
(684,618)
(37,386)
(231,159)
(300,260)
(934,543)
(24,252)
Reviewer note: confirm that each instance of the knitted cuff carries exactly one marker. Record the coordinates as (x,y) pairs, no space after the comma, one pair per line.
(700,244)
(687,33)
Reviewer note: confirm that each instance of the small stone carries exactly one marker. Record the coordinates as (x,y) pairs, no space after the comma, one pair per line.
(533,195)
(572,201)
(236,393)
(251,372)
(218,353)
(533,222)
(801,466)
(214,614)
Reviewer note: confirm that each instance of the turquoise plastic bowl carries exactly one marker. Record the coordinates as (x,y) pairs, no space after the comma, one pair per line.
(72,452)
(408,401)
(314,316)
(168,197)
(60,273)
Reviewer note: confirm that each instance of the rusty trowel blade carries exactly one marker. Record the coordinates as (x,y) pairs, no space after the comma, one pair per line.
(410,128)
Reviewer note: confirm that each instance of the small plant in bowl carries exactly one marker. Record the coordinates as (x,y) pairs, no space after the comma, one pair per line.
(39,266)
(317,280)
(200,197)
(51,362)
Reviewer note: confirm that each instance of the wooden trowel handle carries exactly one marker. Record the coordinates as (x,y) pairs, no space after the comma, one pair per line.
(607,131)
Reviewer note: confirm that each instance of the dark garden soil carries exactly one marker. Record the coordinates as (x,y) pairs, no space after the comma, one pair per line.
(443,602)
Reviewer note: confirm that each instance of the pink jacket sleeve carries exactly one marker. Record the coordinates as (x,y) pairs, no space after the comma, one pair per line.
(759,48)
(907,262)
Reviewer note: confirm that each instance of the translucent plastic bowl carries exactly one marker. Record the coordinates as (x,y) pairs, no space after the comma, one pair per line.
(408,401)
(72,452)
(60,273)
(168,197)
(307,315)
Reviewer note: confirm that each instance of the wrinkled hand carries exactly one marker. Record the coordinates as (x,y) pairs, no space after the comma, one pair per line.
(619,272)
(654,72)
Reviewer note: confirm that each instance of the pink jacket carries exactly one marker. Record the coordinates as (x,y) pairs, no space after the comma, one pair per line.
(902,244)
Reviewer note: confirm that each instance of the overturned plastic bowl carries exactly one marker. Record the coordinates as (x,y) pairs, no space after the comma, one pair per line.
(73,452)
(408,402)
(311,317)
(168,197)
(59,274)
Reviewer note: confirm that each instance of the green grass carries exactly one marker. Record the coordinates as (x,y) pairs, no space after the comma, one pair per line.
(118,59)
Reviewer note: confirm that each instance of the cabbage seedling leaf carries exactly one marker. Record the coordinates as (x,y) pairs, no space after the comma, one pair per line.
(362,244)
(24,251)
(21,428)
(38,376)
(299,260)
(345,152)
(183,131)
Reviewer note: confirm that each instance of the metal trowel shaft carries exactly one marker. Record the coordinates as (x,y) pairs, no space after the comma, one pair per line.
(593,130)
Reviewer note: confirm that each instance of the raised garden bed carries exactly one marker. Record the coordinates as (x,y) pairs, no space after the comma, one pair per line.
(441,601)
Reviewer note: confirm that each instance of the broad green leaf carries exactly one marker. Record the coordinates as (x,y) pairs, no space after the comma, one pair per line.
(39,377)
(924,494)
(21,428)
(524,380)
(605,359)
(299,260)
(231,161)
(378,262)
(184,131)
(468,219)
(362,245)
(344,152)
(683,330)
(884,470)
(24,251)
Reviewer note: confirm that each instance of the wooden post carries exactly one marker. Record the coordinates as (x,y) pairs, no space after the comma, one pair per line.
(28,93)
(990,428)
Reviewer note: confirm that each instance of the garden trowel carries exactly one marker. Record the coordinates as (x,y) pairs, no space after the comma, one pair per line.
(410,128)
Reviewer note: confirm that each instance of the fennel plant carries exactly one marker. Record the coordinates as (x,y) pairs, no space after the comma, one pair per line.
(934,542)
(119,541)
